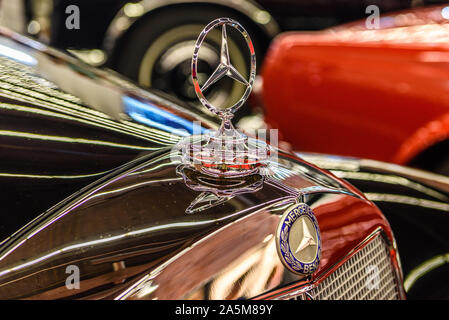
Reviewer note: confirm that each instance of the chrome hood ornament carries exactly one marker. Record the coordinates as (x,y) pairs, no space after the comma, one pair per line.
(226,152)
(225,68)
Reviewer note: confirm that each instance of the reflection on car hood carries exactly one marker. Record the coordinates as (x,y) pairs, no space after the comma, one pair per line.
(53,143)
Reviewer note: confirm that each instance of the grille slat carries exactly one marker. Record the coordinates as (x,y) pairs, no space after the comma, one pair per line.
(367,275)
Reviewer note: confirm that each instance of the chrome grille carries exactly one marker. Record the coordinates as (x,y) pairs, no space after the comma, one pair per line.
(367,275)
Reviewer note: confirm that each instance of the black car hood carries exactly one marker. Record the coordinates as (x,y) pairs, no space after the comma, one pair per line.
(65,125)
(53,143)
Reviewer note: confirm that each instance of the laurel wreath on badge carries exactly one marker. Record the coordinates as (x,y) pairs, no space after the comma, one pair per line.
(286,249)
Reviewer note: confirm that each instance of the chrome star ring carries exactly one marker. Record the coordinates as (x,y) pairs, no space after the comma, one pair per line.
(225,68)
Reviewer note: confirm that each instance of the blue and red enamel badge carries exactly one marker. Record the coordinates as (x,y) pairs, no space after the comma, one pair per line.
(298,239)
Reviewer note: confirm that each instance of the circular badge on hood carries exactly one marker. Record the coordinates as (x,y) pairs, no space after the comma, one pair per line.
(298,239)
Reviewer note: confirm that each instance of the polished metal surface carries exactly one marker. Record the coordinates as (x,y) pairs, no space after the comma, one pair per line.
(305,240)
(225,152)
(367,275)
(225,67)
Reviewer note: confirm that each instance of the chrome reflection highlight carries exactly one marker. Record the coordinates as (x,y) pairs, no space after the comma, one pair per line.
(225,67)
(395,180)
(430,204)
(10,50)
(29,135)
(423,269)
(153,116)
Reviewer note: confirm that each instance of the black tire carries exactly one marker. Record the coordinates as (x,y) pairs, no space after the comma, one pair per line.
(148,44)
(443,167)
(434,159)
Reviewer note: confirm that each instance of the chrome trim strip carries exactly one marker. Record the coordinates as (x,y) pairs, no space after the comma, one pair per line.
(425,267)
(332,163)
(432,179)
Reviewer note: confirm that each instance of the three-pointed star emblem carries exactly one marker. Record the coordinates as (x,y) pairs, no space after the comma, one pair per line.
(307,238)
(225,68)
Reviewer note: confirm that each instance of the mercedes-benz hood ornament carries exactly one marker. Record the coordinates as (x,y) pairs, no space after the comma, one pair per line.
(225,152)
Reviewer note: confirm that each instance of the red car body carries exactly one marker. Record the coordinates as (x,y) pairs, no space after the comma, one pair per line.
(380,94)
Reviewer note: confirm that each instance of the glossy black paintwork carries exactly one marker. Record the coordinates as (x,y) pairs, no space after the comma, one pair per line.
(48,152)
(36,174)
(52,143)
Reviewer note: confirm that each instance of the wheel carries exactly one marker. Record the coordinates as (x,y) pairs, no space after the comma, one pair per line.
(157,53)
